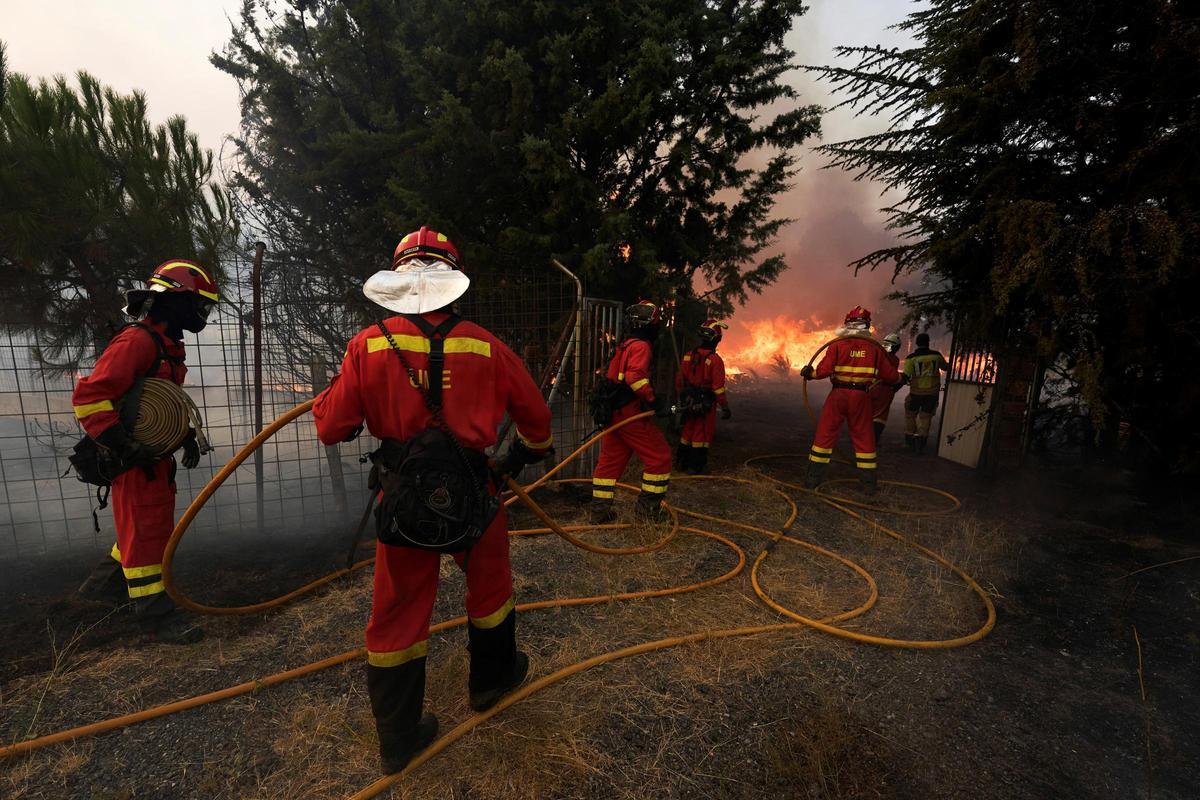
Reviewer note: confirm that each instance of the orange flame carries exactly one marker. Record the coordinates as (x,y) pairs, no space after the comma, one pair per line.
(763,341)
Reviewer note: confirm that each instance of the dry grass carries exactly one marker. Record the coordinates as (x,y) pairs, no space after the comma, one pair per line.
(674,719)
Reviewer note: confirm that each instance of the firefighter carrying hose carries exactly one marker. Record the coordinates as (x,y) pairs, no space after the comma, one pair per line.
(624,392)
(882,393)
(701,386)
(427,367)
(854,363)
(921,370)
(180,297)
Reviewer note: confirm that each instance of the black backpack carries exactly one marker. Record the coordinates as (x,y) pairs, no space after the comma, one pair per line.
(435,491)
(607,399)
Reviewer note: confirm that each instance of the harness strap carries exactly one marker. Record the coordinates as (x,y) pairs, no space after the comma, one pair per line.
(436,334)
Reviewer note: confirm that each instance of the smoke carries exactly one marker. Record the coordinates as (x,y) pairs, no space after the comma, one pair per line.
(836,219)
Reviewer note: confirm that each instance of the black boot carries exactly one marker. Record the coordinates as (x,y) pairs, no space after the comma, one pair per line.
(649,508)
(878,432)
(601,512)
(397,696)
(497,667)
(910,442)
(816,474)
(921,442)
(105,583)
(683,457)
(164,622)
(699,461)
(869,481)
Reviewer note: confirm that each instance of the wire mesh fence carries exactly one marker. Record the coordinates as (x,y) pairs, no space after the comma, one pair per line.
(297,485)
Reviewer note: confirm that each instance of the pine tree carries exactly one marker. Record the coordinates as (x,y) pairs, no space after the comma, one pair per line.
(614,136)
(1046,154)
(92,197)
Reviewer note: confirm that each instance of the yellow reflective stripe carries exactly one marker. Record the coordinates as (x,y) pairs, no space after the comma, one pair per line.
(142,572)
(699,444)
(620,376)
(602,494)
(824,450)
(684,441)
(604,481)
(818,459)
(148,589)
(864,370)
(419,344)
(867,465)
(88,409)
(853,379)
(650,476)
(646,487)
(708,362)
(720,391)
(210,295)
(687,358)
(394,658)
(179,264)
(115,553)
(496,617)
(536,445)
(639,384)
(865,455)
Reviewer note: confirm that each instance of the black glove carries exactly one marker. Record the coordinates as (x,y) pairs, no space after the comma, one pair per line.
(726,413)
(806,372)
(191,451)
(131,452)
(518,457)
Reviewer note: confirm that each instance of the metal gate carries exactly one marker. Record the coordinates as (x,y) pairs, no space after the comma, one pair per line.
(598,333)
(967,408)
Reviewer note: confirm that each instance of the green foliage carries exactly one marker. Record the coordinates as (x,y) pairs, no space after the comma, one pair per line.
(1046,153)
(526,129)
(92,197)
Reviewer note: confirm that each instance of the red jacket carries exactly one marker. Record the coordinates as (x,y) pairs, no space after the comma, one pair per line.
(127,357)
(631,365)
(705,369)
(481,381)
(856,361)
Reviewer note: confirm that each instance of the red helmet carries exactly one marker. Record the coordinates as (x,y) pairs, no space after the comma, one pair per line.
(176,275)
(710,331)
(426,244)
(858,316)
(643,312)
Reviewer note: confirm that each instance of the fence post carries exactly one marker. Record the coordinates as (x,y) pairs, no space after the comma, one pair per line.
(256,290)
(320,379)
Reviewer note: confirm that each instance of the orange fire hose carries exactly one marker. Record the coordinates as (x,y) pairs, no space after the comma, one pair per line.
(519,493)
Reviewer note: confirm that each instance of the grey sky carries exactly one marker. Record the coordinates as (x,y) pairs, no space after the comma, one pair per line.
(162,48)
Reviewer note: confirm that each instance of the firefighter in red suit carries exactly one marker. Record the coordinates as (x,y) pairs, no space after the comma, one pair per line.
(630,370)
(853,363)
(180,297)
(882,393)
(702,377)
(482,380)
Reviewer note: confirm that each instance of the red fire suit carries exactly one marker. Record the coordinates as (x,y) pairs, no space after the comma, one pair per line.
(704,369)
(881,393)
(853,364)
(631,365)
(143,506)
(482,379)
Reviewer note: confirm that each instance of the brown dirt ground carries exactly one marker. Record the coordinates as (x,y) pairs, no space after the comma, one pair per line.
(1048,705)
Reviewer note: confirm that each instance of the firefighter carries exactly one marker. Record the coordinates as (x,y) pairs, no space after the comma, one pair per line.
(630,371)
(853,362)
(482,380)
(882,393)
(921,370)
(180,297)
(700,383)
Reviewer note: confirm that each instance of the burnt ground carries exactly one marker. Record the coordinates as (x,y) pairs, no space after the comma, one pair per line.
(1048,705)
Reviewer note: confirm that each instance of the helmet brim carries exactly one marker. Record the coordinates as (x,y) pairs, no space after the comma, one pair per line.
(416,291)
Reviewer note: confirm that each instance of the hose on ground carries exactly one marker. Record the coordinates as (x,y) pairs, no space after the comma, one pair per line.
(798,621)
